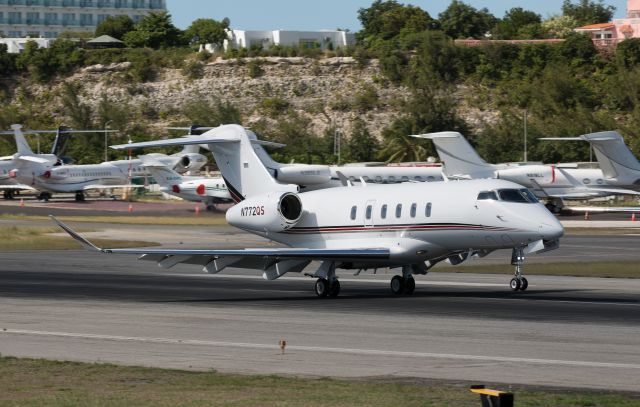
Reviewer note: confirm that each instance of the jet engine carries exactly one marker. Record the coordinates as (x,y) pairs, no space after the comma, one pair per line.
(190,162)
(543,174)
(302,174)
(271,212)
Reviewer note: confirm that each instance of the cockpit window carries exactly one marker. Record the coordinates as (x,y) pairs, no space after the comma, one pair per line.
(517,195)
(487,195)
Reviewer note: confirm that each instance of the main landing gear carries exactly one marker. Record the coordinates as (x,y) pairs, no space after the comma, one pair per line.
(327,284)
(519,282)
(8,194)
(79,196)
(44,196)
(405,284)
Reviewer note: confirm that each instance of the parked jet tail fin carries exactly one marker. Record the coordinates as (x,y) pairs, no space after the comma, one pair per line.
(615,158)
(460,159)
(21,142)
(234,150)
(163,175)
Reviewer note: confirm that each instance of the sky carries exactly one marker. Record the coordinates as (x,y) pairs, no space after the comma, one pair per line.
(331,14)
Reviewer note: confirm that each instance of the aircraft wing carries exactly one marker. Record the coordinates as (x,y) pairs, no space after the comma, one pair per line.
(100,186)
(604,209)
(33,159)
(274,261)
(15,187)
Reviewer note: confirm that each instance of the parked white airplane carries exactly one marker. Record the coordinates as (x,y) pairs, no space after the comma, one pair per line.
(45,173)
(411,226)
(210,191)
(461,161)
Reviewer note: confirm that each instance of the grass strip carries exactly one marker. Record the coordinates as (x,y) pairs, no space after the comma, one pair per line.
(37,238)
(605,269)
(36,382)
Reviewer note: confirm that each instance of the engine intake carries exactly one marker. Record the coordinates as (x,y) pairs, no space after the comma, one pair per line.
(271,212)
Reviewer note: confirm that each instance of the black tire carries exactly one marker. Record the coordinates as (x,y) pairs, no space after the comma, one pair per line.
(321,287)
(514,284)
(409,286)
(397,285)
(334,290)
(523,284)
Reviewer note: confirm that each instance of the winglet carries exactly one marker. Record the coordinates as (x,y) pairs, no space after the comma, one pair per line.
(84,242)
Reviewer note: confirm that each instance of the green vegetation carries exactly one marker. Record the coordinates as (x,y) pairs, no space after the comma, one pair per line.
(31,238)
(48,383)
(203,220)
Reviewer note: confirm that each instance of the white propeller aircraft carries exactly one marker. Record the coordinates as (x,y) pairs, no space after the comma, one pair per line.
(47,174)
(210,191)
(550,182)
(408,226)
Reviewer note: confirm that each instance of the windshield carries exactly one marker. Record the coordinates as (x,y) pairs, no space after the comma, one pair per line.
(517,195)
(487,195)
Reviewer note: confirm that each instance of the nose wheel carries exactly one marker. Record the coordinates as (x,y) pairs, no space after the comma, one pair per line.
(519,282)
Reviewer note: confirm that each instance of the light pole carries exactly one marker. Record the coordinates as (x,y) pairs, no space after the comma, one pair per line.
(525,135)
(106,136)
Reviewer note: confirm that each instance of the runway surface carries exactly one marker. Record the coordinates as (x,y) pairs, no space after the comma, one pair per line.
(563,332)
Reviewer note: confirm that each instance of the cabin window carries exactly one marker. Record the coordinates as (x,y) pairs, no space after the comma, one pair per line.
(383,211)
(368,212)
(354,211)
(586,181)
(414,207)
(487,195)
(427,210)
(398,210)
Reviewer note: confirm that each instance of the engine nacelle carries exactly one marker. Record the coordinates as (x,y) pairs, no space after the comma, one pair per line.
(270,212)
(542,174)
(190,162)
(302,174)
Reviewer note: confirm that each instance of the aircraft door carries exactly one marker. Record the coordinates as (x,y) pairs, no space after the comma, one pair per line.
(368,213)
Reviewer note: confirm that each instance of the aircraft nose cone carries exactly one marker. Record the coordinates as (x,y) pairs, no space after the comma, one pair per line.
(551,230)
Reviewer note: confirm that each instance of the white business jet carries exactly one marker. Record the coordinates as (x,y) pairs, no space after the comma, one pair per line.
(408,226)
(550,182)
(210,191)
(46,173)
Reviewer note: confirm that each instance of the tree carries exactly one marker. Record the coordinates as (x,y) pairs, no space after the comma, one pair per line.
(115,26)
(155,31)
(518,23)
(207,31)
(386,20)
(361,146)
(628,52)
(461,20)
(588,11)
(559,26)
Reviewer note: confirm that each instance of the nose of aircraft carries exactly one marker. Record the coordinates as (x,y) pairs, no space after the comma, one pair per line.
(551,228)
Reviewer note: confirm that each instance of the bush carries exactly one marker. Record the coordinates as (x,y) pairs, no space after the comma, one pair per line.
(274,106)
(255,68)
(193,70)
(366,99)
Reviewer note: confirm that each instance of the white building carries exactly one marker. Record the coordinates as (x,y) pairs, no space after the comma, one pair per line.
(48,18)
(325,39)
(17,45)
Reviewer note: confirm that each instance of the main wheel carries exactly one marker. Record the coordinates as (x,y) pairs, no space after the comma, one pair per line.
(334,289)
(397,285)
(514,284)
(322,287)
(523,284)
(410,286)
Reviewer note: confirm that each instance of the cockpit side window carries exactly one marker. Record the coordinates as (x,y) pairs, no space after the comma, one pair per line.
(487,195)
(513,195)
(532,198)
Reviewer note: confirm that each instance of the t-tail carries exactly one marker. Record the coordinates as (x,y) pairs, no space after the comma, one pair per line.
(459,158)
(21,141)
(614,156)
(163,175)
(235,150)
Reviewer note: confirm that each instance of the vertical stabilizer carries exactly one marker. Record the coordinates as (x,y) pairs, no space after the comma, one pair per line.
(242,169)
(21,142)
(163,175)
(458,156)
(615,158)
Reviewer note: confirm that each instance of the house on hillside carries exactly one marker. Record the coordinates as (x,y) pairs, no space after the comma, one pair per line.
(324,39)
(610,34)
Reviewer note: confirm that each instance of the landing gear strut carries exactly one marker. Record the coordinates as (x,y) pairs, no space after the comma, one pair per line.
(8,194)
(519,282)
(44,196)
(405,284)
(327,284)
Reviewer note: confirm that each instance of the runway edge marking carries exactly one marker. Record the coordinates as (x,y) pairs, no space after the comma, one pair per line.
(426,355)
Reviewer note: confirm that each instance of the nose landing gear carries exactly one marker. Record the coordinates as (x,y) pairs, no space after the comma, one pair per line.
(519,282)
